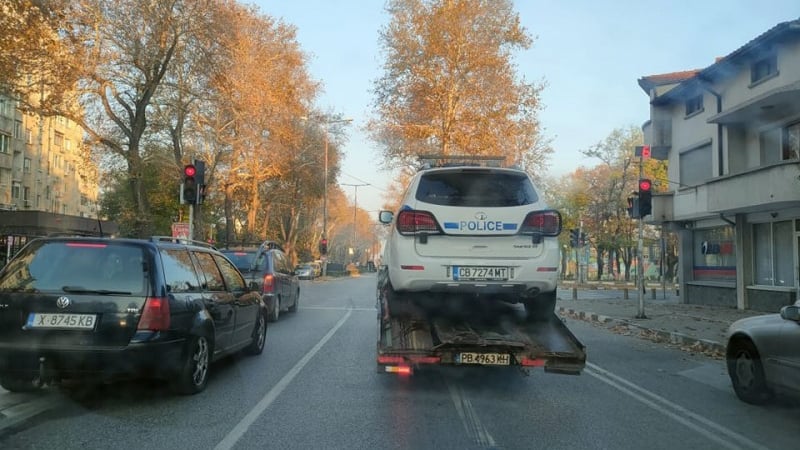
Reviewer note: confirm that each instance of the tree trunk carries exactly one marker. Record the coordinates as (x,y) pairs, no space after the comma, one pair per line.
(600,262)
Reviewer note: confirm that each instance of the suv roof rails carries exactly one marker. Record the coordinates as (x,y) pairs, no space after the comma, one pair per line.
(178,240)
(429,161)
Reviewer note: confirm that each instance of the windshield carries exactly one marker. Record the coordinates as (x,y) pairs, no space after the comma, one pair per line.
(401,224)
(76,267)
(243,260)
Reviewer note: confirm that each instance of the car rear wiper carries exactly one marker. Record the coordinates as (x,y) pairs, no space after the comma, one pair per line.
(83,290)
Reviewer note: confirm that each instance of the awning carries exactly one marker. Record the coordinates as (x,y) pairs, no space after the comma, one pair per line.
(770,106)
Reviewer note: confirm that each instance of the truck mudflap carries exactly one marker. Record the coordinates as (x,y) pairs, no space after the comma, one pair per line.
(408,343)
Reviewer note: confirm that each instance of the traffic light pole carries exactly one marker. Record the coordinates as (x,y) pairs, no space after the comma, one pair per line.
(191,222)
(640,250)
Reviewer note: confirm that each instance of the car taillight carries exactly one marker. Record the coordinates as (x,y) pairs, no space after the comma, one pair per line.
(155,314)
(548,223)
(269,284)
(410,222)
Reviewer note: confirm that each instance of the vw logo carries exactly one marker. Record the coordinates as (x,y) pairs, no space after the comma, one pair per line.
(62,302)
(481,216)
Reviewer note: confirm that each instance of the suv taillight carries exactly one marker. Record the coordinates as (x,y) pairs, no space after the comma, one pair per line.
(155,314)
(547,223)
(269,284)
(410,222)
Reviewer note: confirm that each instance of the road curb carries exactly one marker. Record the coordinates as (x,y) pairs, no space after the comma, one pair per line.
(673,337)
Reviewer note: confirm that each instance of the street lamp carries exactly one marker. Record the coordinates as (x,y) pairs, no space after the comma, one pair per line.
(355,209)
(325,123)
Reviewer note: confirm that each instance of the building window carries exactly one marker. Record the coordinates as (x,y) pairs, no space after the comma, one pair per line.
(67,145)
(714,252)
(791,142)
(15,189)
(773,254)
(6,107)
(695,165)
(17,129)
(5,143)
(58,139)
(26,165)
(28,136)
(764,68)
(26,194)
(694,105)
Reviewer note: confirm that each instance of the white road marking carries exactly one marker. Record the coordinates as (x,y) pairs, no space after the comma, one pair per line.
(708,428)
(241,428)
(469,418)
(338,308)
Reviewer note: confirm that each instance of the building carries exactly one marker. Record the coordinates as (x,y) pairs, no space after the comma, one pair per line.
(47,178)
(732,131)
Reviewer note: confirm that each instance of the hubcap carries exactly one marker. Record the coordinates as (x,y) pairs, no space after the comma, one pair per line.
(200,358)
(745,370)
(261,333)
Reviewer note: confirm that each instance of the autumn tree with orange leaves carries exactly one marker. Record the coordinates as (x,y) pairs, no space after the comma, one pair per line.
(449,84)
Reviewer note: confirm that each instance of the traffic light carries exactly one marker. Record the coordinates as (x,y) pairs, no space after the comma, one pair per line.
(582,240)
(645,197)
(323,246)
(574,237)
(645,151)
(189,185)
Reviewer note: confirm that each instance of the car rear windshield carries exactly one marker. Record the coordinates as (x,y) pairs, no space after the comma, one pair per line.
(242,259)
(77,267)
(483,188)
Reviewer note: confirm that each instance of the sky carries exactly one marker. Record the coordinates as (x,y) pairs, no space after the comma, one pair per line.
(589,53)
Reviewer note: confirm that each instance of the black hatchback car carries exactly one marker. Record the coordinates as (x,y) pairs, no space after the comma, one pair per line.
(95,307)
(267,268)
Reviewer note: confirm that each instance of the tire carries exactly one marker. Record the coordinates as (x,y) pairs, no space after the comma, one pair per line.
(275,312)
(193,377)
(259,336)
(293,308)
(747,373)
(18,384)
(541,308)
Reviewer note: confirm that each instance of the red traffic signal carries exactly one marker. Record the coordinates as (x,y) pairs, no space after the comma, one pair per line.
(645,151)
(645,185)
(189,170)
(323,246)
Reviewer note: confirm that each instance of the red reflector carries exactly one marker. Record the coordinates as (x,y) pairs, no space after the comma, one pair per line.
(86,245)
(412,267)
(547,269)
(533,362)
(155,314)
(385,359)
(404,370)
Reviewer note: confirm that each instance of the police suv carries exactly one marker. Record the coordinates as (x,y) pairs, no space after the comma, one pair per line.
(477,230)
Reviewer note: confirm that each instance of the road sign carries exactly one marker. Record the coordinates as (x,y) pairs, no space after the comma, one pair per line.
(180,230)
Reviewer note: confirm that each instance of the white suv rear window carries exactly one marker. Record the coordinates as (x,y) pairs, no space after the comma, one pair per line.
(478,188)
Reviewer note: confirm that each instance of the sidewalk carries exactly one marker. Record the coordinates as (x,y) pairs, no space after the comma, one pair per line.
(700,328)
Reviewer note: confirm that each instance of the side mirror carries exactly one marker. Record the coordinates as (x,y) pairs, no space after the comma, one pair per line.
(385,217)
(791,312)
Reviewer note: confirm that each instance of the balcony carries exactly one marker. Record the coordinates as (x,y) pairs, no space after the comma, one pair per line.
(761,189)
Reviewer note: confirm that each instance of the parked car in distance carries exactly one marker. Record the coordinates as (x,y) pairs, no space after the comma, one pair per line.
(317,268)
(268,269)
(763,355)
(305,272)
(84,307)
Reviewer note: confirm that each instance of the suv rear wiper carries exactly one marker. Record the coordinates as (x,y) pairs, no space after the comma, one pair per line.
(83,290)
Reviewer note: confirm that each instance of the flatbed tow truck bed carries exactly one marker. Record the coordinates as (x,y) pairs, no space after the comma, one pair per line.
(414,338)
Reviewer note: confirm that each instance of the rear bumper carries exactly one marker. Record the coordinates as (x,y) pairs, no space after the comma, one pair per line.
(152,359)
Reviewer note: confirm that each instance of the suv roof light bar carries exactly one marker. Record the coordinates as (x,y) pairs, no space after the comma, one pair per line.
(178,240)
(429,161)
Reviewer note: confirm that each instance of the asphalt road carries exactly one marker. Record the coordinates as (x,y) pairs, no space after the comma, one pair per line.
(316,386)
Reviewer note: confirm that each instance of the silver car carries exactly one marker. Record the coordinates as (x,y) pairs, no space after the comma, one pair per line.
(763,355)
(304,272)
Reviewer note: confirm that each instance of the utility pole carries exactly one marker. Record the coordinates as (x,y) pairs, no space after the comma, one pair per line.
(639,251)
(355,210)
